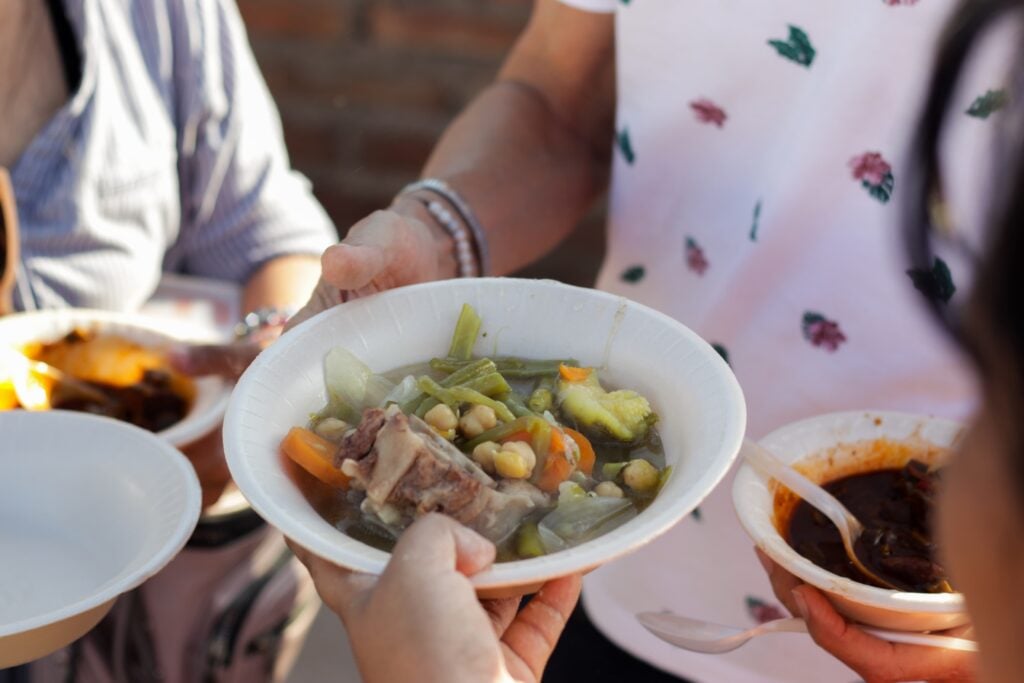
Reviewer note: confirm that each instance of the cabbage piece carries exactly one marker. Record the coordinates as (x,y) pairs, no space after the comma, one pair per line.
(552,542)
(404,391)
(624,414)
(351,386)
(580,519)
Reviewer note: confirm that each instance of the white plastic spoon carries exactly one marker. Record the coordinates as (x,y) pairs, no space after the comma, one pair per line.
(711,638)
(849,526)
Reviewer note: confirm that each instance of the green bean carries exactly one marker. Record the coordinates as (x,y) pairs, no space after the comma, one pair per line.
(516,404)
(663,478)
(510,366)
(529,423)
(467,374)
(425,405)
(492,385)
(464,337)
(528,541)
(453,396)
(542,397)
(612,470)
(531,369)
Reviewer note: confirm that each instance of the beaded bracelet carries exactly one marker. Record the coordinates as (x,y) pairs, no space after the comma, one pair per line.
(464,257)
(453,226)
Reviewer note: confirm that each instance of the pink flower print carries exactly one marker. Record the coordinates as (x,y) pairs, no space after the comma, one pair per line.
(695,259)
(761,611)
(874,174)
(708,112)
(822,332)
(870,167)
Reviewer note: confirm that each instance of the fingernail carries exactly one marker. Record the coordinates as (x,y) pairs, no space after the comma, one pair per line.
(801,603)
(765,561)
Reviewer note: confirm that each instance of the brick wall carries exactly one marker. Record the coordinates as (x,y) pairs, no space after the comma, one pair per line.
(365,87)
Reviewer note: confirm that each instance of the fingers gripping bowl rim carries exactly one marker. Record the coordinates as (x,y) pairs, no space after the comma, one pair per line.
(211,393)
(702,409)
(753,498)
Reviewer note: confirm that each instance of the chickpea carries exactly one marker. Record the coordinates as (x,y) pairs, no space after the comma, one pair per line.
(483,455)
(442,418)
(515,460)
(640,475)
(332,429)
(608,489)
(477,420)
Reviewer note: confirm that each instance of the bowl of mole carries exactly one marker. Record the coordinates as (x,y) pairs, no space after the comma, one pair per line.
(884,466)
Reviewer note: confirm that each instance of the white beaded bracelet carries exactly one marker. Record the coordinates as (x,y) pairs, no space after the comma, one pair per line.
(464,256)
(462,211)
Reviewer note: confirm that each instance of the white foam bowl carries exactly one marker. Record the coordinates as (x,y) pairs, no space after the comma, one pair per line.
(89,508)
(212,393)
(812,442)
(694,391)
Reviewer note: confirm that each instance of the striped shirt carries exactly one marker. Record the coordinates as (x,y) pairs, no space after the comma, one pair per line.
(168,156)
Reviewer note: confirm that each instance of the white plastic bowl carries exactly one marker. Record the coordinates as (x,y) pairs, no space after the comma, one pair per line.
(89,508)
(811,442)
(699,400)
(212,393)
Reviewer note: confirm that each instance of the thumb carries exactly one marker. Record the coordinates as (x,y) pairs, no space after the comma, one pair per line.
(438,544)
(824,623)
(349,267)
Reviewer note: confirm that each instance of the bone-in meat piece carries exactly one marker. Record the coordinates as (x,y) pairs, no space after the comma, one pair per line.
(412,471)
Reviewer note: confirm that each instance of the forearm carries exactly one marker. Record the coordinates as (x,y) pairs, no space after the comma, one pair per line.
(526,174)
(284,282)
(532,152)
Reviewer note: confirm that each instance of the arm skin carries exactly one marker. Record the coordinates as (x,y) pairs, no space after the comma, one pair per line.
(532,152)
(529,155)
(284,282)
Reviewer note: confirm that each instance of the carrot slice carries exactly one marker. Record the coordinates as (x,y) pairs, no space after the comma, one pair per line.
(557,467)
(314,454)
(571,374)
(587,455)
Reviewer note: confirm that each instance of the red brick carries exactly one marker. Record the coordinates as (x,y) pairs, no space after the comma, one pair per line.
(304,19)
(396,150)
(427,28)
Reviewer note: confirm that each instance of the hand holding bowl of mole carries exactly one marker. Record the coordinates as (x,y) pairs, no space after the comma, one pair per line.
(885,468)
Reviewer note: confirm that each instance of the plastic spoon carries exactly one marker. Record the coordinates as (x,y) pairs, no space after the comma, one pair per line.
(711,638)
(849,526)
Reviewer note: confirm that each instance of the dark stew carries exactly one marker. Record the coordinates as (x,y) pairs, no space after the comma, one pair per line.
(895,506)
(150,403)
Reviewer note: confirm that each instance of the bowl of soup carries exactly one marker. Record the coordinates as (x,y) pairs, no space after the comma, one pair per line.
(118,367)
(885,467)
(597,354)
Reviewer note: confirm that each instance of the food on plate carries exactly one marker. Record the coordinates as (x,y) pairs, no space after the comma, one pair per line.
(895,505)
(125,380)
(536,455)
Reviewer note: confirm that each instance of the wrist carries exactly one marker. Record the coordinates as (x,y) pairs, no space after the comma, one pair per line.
(412,206)
(451,211)
(262,325)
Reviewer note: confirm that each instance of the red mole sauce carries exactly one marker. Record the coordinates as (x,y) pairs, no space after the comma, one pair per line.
(895,506)
(890,487)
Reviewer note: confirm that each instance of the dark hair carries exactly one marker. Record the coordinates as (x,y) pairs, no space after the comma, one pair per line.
(990,325)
